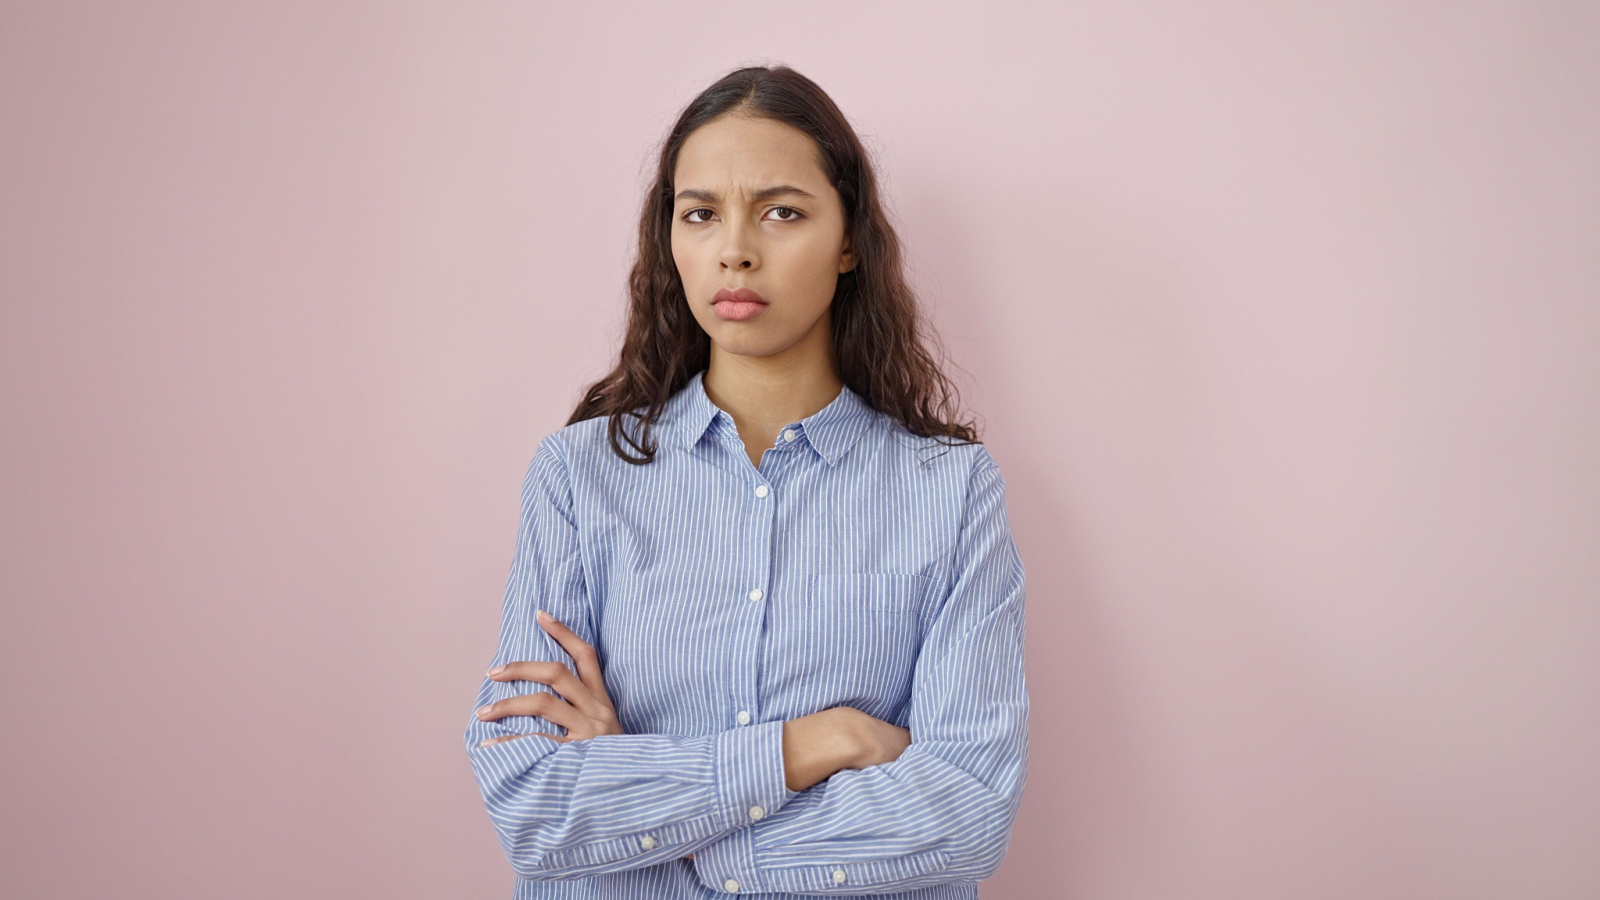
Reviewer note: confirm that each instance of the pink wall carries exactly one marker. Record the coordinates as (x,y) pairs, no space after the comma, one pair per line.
(1284,319)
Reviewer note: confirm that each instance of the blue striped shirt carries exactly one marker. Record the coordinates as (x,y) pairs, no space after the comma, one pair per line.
(859,565)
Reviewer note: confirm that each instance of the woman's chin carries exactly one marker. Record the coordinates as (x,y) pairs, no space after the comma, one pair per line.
(749,344)
(769,337)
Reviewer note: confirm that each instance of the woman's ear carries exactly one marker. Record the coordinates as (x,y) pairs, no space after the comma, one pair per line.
(847,257)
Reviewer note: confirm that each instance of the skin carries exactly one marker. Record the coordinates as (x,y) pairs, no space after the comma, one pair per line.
(765,372)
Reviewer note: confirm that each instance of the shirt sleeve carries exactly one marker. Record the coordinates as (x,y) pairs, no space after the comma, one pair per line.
(941,812)
(572,809)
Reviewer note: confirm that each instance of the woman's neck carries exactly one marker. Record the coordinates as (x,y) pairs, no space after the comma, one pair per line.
(765,393)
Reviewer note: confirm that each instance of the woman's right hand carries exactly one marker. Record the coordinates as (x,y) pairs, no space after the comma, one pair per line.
(841,737)
(880,742)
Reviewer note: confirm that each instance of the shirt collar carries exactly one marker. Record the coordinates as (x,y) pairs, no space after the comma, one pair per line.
(691,410)
(830,430)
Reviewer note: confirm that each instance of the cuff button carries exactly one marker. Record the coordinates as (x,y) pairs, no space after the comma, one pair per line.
(838,876)
(731,885)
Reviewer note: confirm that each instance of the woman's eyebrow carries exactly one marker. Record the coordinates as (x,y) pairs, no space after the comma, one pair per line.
(763,194)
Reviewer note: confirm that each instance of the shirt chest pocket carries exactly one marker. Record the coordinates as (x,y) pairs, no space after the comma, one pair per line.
(864,631)
(885,592)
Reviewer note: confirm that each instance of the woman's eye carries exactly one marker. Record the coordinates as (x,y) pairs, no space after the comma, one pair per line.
(702,215)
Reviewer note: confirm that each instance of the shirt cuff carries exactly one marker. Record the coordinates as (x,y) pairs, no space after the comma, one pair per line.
(751,786)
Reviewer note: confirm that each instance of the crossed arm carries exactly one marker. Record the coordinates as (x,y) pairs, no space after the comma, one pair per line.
(814,747)
(556,803)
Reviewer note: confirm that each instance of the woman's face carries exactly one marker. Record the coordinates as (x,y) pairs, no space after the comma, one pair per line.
(755,211)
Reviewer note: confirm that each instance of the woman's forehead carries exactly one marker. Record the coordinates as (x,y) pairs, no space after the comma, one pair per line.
(742,155)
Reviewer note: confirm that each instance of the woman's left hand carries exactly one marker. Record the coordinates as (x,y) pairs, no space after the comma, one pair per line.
(586,709)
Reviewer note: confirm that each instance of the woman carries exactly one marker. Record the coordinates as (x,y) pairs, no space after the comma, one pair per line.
(784,644)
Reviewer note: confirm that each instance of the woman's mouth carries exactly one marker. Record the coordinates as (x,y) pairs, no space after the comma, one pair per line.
(738,305)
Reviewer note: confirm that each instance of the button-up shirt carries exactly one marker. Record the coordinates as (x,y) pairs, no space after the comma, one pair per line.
(858,565)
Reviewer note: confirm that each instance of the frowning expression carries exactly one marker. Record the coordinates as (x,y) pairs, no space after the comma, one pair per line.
(756,219)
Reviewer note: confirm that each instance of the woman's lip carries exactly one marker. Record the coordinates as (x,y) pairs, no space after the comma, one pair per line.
(738,305)
(737,310)
(742,295)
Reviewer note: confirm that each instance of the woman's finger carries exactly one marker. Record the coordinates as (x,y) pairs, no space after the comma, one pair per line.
(511,737)
(558,676)
(581,651)
(539,703)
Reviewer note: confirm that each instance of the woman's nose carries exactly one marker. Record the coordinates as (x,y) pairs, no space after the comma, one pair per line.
(738,250)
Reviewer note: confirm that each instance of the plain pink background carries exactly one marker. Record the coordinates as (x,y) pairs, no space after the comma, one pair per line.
(1283,318)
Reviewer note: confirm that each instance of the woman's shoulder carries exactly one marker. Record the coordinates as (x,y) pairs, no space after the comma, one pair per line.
(576,442)
(585,446)
(934,454)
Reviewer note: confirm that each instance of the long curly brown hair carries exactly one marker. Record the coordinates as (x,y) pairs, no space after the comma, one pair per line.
(883,348)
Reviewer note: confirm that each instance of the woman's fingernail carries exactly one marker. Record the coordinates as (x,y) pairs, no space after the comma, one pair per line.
(483,712)
(496,671)
(544,616)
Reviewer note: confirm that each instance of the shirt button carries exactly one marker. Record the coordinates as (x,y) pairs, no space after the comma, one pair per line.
(756,594)
(647,842)
(761,490)
(731,885)
(757,812)
(838,876)
(788,434)
(743,717)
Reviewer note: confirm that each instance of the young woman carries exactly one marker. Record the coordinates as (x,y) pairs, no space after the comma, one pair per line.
(763,629)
